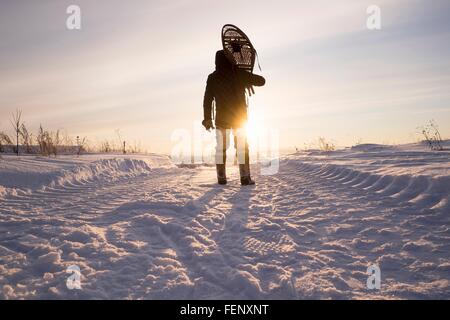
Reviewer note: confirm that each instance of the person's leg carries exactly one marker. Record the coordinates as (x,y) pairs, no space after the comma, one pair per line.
(243,156)
(222,143)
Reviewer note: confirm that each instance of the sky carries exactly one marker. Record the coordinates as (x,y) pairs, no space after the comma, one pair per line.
(140,67)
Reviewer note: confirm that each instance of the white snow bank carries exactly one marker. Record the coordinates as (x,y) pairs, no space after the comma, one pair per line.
(410,172)
(428,190)
(28,173)
(411,159)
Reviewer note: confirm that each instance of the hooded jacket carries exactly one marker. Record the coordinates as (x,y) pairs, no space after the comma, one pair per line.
(226,87)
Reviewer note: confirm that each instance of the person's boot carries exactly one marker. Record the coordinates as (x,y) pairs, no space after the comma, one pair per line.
(244,170)
(221,174)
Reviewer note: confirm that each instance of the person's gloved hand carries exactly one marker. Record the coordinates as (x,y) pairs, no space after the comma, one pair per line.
(207,124)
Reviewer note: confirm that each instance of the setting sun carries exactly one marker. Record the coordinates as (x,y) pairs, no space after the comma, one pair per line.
(255,125)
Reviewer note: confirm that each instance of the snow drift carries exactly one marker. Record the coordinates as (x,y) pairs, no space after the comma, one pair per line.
(30,173)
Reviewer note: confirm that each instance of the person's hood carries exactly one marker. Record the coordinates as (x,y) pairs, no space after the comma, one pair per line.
(222,62)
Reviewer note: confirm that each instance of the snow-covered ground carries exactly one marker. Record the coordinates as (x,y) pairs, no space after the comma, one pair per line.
(140,227)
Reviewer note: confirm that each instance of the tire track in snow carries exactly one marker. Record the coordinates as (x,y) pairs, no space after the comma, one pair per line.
(370,225)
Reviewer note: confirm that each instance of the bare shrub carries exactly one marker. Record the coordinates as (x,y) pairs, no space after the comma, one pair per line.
(325,145)
(67,144)
(432,136)
(106,146)
(82,145)
(122,142)
(56,141)
(136,147)
(27,138)
(16,122)
(4,140)
(48,142)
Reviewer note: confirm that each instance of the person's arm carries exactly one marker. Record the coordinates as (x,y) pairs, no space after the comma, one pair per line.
(207,104)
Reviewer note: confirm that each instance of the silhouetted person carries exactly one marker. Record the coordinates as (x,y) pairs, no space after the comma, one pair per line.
(226,87)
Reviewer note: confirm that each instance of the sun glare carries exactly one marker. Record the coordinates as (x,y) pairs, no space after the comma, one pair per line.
(254,127)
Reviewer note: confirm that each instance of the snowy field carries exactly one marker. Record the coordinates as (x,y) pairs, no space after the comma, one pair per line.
(139,227)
